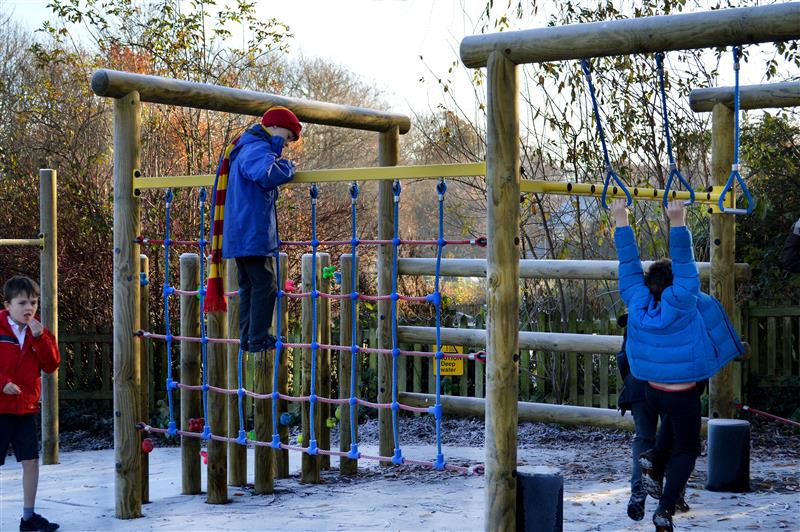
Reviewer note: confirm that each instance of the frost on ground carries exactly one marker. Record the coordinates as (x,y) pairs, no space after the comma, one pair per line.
(79,492)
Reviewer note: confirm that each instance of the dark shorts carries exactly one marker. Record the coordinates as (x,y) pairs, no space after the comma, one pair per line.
(20,432)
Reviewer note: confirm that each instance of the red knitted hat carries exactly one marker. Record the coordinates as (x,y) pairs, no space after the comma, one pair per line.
(282,117)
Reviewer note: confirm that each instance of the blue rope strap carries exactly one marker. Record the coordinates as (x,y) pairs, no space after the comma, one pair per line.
(610,173)
(167,291)
(276,438)
(735,175)
(206,434)
(398,454)
(312,399)
(353,403)
(674,173)
(441,188)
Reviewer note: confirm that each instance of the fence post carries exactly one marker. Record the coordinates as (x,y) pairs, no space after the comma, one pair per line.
(237,454)
(310,464)
(282,455)
(347,310)
(572,361)
(216,365)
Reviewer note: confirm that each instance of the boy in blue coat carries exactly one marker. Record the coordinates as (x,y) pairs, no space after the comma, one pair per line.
(677,337)
(250,233)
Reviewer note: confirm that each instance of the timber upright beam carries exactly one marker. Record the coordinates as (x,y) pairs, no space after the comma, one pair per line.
(217,368)
(127,379)
(502,288)
(237,454)
(348,312)
(719,100)
(144,367)
(48,278)
(191,401)
(388,150)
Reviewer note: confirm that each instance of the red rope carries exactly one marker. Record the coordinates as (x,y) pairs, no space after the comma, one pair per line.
(768,415)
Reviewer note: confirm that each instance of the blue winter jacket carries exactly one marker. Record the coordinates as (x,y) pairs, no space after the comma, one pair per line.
(669,341)
(256,171)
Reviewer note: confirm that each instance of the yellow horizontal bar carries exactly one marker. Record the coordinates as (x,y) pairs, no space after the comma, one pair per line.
(589,189)
(375,173)
(22,242)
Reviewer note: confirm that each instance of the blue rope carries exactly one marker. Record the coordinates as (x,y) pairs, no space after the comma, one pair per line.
(276,438)
(610,173)
(312,399)
(168,290)
(242,438)
(398,454)
(441,188)
(353,453)
(735,175)
(201,292)
(674,173)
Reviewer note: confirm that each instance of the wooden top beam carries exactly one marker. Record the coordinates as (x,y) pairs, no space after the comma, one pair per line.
(770,95)
(154,89)
(724,27)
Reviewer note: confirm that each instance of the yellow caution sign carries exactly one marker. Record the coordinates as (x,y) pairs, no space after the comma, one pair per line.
(452,366)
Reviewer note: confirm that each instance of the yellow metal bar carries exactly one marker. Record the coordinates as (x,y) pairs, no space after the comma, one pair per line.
(332,175)
(22,242)
(589,189)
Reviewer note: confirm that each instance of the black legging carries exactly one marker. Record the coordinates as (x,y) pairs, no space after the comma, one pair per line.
(680,414)
(257,292)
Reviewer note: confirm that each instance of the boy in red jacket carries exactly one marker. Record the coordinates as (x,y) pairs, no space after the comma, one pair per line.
(26,349)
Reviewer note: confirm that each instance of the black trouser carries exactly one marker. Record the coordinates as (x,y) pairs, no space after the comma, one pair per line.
(680,415)
(257,293)
(645,419)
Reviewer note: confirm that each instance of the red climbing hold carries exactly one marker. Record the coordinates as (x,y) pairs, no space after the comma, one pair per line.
(147,445)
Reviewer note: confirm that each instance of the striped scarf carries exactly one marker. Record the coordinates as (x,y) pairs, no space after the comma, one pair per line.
(215,290)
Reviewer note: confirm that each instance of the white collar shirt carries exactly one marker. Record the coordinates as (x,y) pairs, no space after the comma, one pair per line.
(19,332)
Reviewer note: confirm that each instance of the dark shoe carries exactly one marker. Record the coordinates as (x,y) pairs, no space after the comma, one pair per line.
(266,345)
(37,523)
(681,506)
(636,503)
(662,519)
(652,475)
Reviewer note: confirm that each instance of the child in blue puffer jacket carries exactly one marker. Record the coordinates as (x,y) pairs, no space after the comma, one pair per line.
(677,337)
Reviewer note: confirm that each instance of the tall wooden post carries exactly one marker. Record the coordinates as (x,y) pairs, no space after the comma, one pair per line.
(216,366)
(264,456)
(127,379)
(324,305)
(723,245)
(48,277)
(144,368)
(237,454)
(502,292)
(310,464)
(282,455)
(388,150)
(191,401)
(347,466)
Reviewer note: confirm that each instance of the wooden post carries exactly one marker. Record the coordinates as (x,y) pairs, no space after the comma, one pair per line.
(127,383)
(502,288)
(310,463)
(264,456)
(48,277)
(282,455)
(388,149)
(217,410)
(191,401)
(723,245)
(237,454)
(347,466)
(144,362)
(324,304)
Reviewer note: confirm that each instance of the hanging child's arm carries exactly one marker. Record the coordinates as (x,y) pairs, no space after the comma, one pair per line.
(685,278)
(631,275)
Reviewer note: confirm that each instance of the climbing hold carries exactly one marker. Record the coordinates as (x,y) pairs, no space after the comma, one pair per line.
(251,435)
(338,412)
(147,445)
(204,454)
(299,439)
(289,286)
(330,422)
(328,271)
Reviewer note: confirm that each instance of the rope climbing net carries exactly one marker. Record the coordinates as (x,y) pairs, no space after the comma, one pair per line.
(202,429)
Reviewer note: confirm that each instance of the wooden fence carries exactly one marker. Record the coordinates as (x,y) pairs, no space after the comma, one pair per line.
(582,379)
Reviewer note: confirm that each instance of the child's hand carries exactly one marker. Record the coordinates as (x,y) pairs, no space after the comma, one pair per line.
(11,389)
(36,327)
(619,209)
(676,213)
